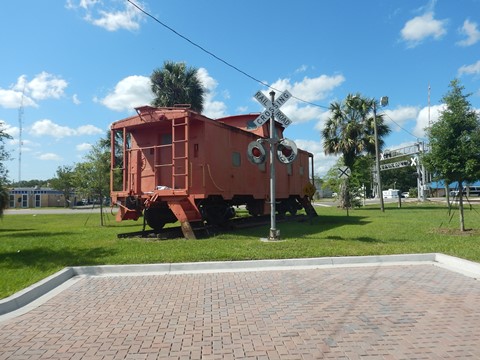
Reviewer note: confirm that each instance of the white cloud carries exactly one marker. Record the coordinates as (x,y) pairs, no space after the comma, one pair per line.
(75,99)
(301,69)
(83,147)
(399,116)
(27,145)
(421,27)
(47,127)
(214,109)
(130,92)
(470,30)
(209,83)
(43,86)
(322,162)
(311,90)
(423,120)
(23,92)
(211,108)
(110,15)
(49,157)
(472,69)
(12,99)
(89,130)
(323,118)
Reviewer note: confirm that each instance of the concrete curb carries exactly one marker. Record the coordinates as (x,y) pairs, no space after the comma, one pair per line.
(62,279)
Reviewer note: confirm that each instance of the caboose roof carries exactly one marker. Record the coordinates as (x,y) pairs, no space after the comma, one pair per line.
(148,115)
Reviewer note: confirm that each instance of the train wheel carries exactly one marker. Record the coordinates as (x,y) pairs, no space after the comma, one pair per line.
(293,206)
(153,217)
(255,207)
(282,207)
(217,214)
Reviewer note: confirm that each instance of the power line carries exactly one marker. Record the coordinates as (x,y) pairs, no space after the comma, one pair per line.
(235,67)
(217,57)
(408,132)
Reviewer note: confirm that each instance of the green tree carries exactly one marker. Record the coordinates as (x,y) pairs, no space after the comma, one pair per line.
(64,182)
(360,178)
(350,132)
(403,179)
(4,156)
(176,84)
(455,142)
(92,177)
(30,183)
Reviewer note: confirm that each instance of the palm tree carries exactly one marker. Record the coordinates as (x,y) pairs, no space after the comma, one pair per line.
(176,84)
(350,131)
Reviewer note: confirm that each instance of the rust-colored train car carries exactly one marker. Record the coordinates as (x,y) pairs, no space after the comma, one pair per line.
(174,164)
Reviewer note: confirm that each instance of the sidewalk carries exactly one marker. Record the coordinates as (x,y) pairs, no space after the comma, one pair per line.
(374,310)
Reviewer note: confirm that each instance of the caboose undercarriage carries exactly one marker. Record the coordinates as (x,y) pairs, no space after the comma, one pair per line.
(213,210)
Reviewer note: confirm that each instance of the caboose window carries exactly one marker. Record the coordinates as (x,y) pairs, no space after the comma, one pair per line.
(236,159)
(165,139)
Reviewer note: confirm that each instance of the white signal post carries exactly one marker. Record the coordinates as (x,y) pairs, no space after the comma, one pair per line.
(274,233)
(272,110)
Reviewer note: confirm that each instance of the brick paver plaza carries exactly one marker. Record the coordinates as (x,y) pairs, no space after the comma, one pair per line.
(376,312)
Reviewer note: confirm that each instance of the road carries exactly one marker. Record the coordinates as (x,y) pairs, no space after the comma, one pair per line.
(78,209)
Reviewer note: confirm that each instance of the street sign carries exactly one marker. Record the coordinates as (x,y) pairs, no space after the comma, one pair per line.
(344,172)
(272,109)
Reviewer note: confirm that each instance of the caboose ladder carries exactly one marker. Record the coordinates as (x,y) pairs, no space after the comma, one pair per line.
(180,153)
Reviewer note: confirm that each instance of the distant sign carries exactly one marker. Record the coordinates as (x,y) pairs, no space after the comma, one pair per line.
(272,109)
(344,172)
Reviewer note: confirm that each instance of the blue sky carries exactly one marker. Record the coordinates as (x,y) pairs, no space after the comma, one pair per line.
(79,65)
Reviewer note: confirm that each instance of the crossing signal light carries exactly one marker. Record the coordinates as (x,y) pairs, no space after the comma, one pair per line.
(256,153)
(286,151)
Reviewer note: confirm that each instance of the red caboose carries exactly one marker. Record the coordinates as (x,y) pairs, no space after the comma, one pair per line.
(174,164)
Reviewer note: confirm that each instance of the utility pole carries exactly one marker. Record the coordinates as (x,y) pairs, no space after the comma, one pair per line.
(383,102)
(377,157)
(20,130)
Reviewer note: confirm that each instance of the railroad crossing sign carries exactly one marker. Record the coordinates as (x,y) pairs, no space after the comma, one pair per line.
(344,172)
(413,161)
(272,109)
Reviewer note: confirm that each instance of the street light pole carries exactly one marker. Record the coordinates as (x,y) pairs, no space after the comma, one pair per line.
(383,102)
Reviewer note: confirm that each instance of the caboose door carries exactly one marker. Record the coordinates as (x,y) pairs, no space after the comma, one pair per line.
(135,173)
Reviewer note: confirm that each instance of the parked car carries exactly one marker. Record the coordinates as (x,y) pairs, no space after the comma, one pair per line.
(405,194)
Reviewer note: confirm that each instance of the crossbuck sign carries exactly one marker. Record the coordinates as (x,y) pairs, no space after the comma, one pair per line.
(272,109)
(344,172)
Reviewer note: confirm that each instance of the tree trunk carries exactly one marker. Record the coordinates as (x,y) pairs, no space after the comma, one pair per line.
(460,205)
(345,194)
(447,194)
(101,209)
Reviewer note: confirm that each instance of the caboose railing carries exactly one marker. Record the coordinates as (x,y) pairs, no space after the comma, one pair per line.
(166,164)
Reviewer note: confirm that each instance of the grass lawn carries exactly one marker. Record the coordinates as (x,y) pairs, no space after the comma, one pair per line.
(35,246)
